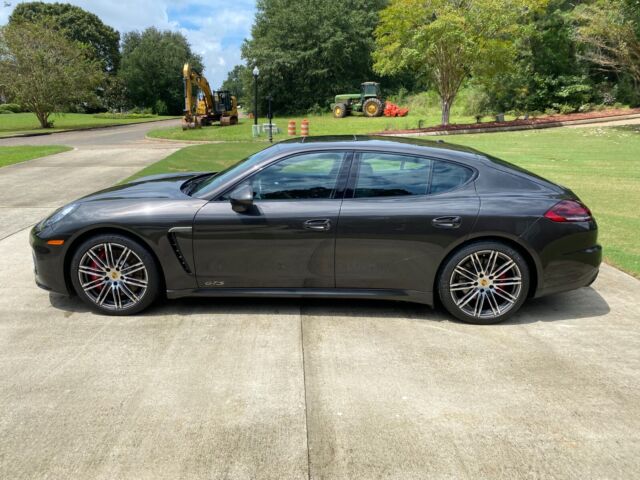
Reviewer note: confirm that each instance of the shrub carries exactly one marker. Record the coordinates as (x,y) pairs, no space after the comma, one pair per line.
(564,108)
(550,111)
(4,111)
(160,107)
(119,116)
(13,107)
(316,110)
(586,107)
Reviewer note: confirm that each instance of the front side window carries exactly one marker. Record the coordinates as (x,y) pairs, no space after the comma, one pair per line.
(303,177)
(390,175)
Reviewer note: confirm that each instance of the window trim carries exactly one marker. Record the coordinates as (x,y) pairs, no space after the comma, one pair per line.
(341,179)
(355,170)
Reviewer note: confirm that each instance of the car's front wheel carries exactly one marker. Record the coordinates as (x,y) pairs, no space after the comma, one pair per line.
(484,283)
(115,275)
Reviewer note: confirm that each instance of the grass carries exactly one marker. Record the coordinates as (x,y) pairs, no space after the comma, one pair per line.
(11,155)
(601,165)
(318,125)
(14,123)
(206,158)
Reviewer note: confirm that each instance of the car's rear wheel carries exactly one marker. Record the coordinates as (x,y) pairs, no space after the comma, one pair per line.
(484,283)
(115,275)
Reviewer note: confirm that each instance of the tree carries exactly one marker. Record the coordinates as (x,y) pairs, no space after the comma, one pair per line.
(448,41)
(235,82)
(308,51)
(45,72)
(548,71)
(75,24)
(152,68)
(609,30)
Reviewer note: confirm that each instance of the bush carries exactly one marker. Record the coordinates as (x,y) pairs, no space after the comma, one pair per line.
(316,110)
(4,111)
(550,111)
(141,111)
(475,103)
(564,108)
(12,107)
(586,107)
(120,116)
(160,107)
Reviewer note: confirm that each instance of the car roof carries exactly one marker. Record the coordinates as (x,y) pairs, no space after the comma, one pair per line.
(435,148)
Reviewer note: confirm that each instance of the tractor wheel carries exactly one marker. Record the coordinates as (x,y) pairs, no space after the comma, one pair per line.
(372,107)
(340,110)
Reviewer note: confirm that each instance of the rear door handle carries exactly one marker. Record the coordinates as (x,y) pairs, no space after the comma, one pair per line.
(446,222)
(318,224)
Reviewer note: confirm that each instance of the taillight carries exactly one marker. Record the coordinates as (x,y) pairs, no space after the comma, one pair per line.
(569,211)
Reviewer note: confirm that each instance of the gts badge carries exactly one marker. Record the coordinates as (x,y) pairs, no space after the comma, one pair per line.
(214,283)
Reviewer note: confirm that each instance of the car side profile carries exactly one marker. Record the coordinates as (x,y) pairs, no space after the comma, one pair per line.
(350,216)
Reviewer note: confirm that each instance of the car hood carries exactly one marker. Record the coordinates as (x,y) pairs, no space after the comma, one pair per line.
(164,186)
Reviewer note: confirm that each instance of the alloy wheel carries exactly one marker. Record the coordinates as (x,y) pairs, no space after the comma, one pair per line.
(486,284)
(113,276)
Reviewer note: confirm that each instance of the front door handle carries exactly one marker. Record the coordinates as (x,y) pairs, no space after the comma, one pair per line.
(446,222)
(318,224)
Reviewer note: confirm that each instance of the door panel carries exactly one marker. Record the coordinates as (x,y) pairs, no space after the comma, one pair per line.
(286,239)
(398,241)
(268,247)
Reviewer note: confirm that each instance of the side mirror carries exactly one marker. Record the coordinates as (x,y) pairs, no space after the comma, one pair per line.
(242,198)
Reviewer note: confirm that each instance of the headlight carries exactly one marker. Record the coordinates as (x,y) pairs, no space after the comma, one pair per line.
(58,215)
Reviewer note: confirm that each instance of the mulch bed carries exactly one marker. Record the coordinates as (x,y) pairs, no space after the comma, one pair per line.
(513,123)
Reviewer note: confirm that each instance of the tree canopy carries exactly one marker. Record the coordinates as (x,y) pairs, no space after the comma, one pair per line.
(308,51)
(448,41)
(75,24)
(152,68)
(44,71)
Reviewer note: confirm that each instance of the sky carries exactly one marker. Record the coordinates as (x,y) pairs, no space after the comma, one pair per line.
(215,28)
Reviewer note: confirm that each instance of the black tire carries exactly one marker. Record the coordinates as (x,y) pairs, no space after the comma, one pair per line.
(372,107)
(339,110)
(142,285)
(494,298)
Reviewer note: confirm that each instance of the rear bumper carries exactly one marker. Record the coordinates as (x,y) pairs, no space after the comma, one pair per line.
(48,262)
(571,270)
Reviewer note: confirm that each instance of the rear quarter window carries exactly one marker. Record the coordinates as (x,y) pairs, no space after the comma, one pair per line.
(448,176)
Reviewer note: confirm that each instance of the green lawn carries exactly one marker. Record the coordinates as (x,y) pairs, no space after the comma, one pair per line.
(11,155)
(318,125)
(13,123)
(206,158)
(602,165)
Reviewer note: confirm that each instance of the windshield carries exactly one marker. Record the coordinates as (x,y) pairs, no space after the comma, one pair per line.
(210,184)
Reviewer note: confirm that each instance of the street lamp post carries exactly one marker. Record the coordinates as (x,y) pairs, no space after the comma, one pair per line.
(256,72)
(270,116)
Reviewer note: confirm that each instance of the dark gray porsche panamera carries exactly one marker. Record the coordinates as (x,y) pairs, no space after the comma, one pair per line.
(352,217)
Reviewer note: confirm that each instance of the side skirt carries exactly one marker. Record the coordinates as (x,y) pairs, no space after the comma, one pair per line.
(379,294)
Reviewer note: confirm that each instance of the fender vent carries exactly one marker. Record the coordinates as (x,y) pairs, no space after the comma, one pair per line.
(173,241)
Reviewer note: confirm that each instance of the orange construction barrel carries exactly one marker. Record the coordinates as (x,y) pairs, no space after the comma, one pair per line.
(291,129)
(304,128)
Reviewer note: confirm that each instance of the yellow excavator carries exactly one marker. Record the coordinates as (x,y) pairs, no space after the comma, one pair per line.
(202,107)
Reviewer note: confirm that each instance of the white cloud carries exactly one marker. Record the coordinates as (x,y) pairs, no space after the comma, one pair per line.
(214,28)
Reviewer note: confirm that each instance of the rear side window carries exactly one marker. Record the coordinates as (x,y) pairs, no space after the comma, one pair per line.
(448,176)
(391,175)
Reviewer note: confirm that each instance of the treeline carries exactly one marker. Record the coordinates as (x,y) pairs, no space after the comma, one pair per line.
(514,55)
(58,57)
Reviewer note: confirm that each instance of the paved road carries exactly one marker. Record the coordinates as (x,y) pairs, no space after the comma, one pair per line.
(303,389)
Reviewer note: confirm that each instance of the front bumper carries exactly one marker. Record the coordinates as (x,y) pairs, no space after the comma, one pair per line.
(48,263)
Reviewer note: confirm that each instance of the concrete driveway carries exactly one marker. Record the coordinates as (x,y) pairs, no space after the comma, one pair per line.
(300,389)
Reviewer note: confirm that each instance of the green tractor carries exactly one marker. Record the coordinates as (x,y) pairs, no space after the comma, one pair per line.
(368,101)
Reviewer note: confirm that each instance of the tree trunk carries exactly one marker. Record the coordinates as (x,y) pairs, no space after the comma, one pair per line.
(43,118)
(446,109)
